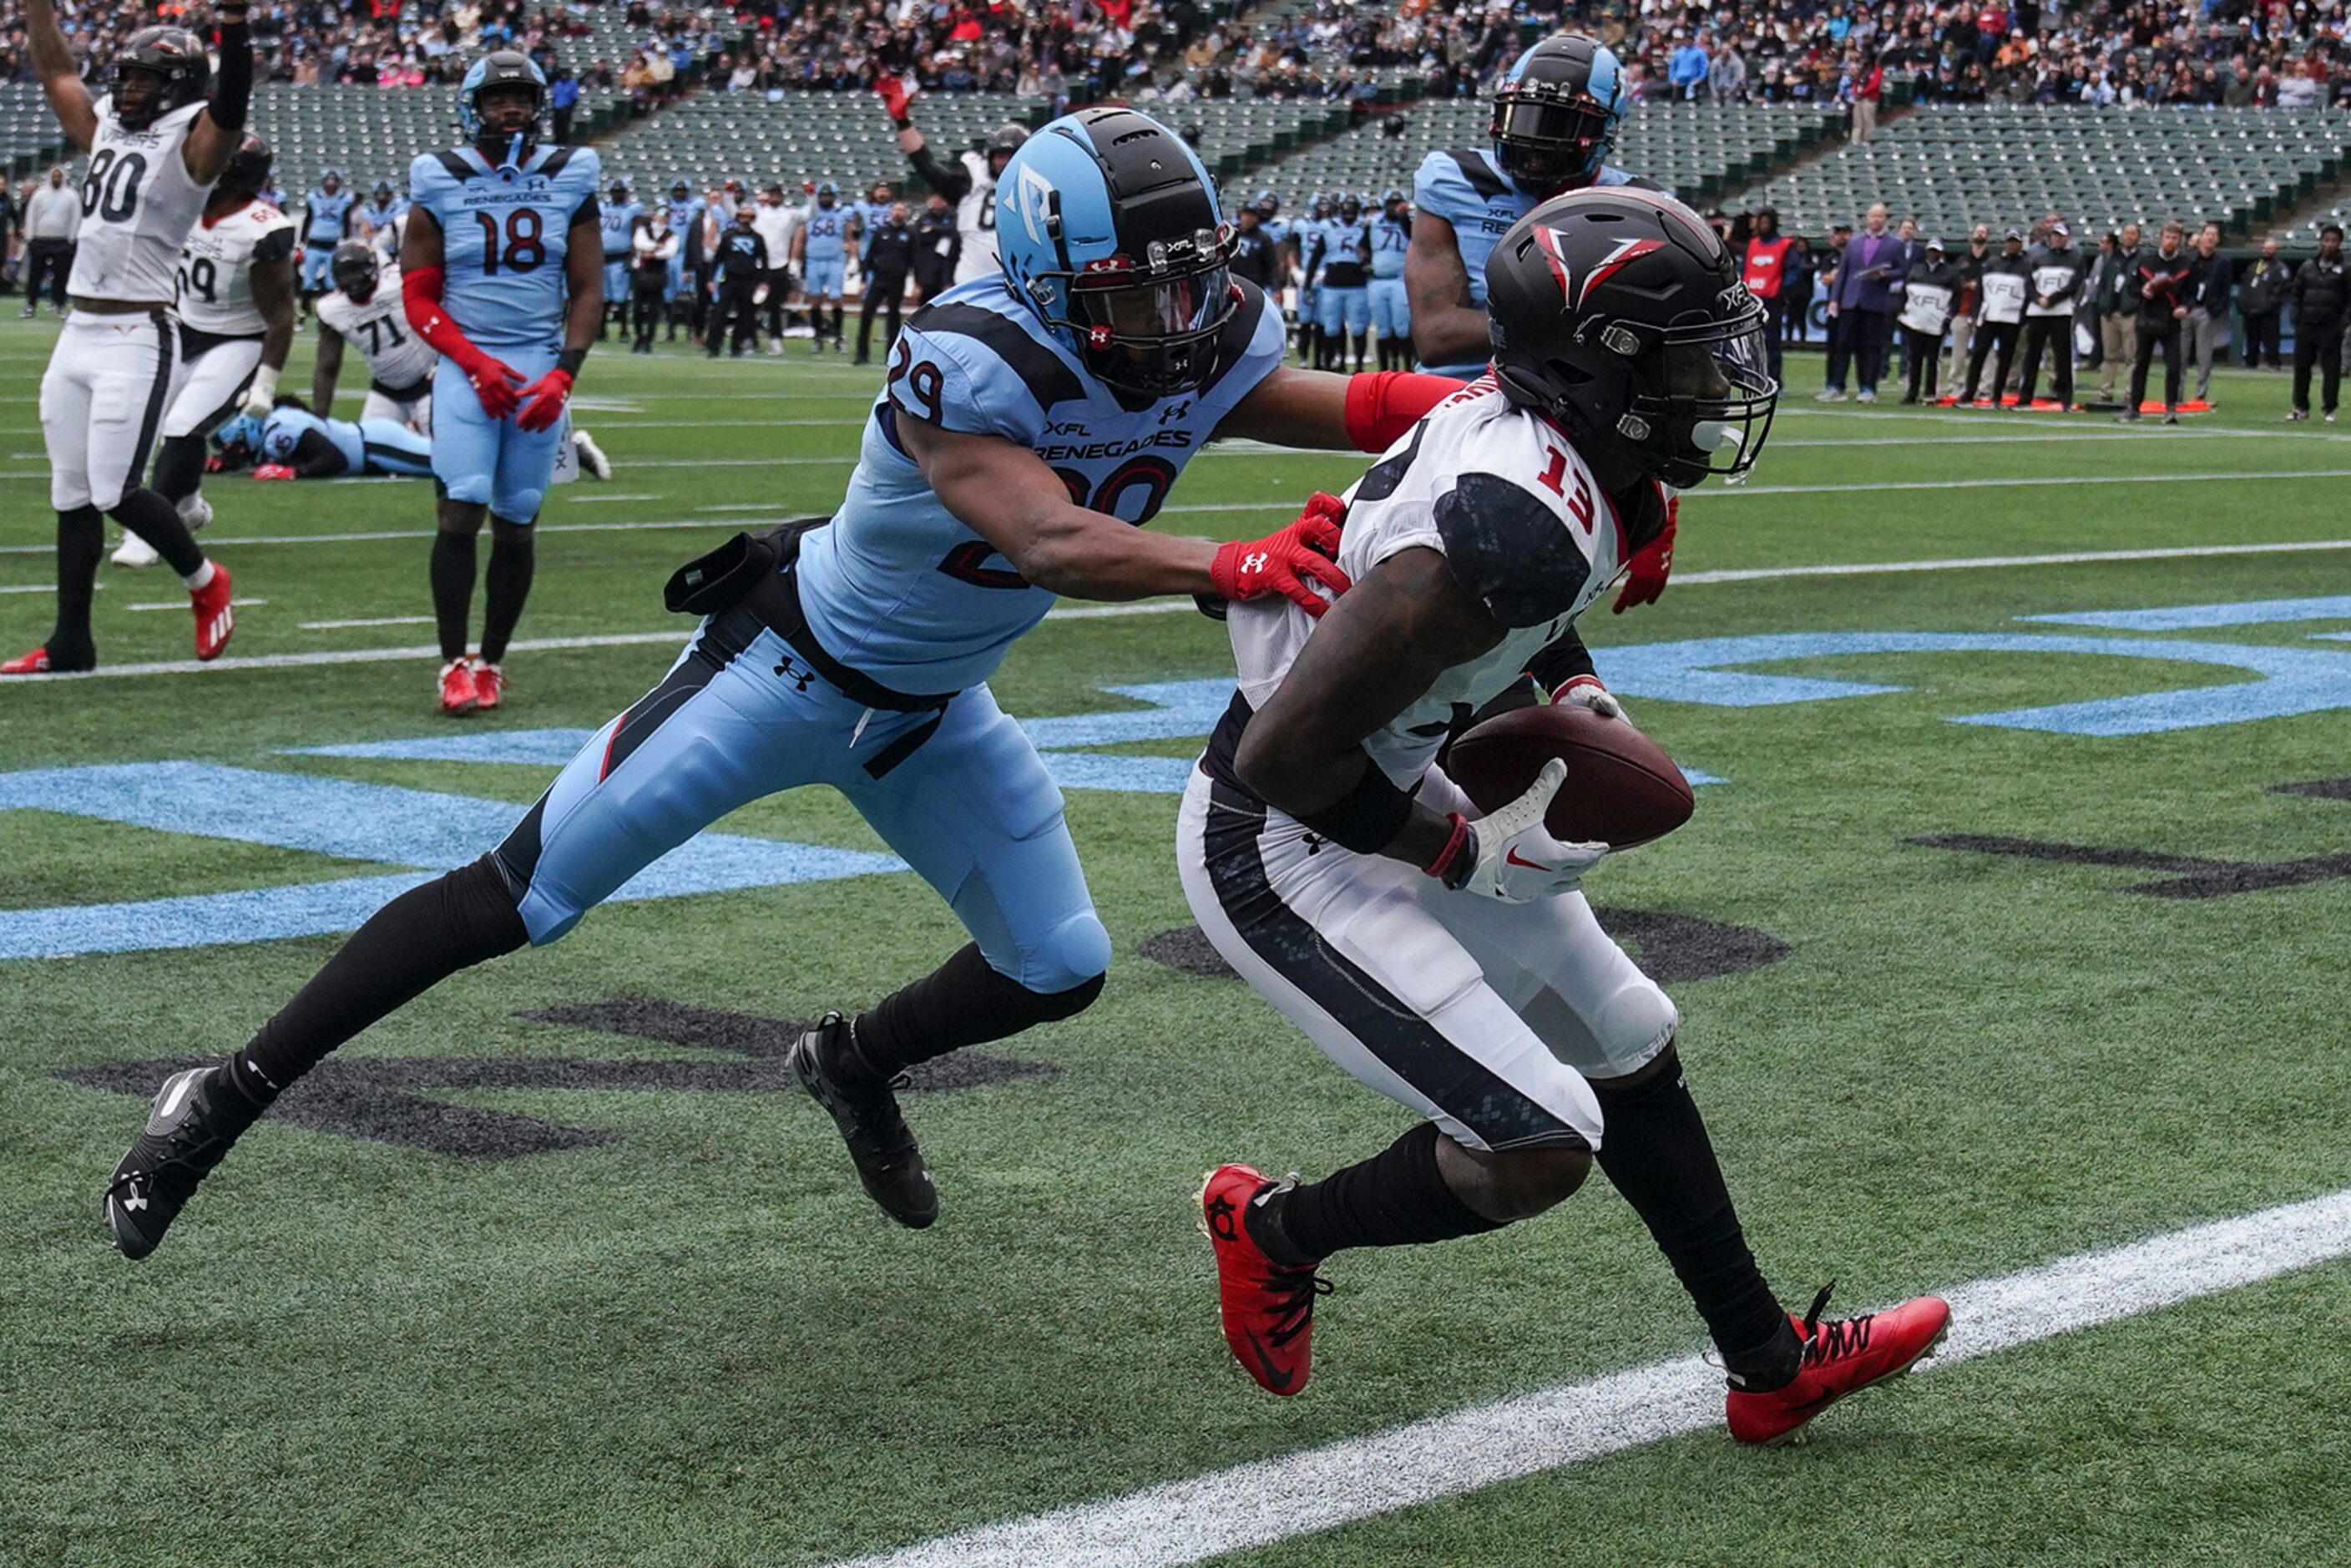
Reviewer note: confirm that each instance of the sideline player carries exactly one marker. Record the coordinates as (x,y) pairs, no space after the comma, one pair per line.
(969,182)
(366,308)
(155,147)
(1449,959)
(857,653)
(820,250)
(1556,117)
(233,297)
(326,222)
(618,233)
(1343,299)
(378,222)
(502,273)
(1391,311)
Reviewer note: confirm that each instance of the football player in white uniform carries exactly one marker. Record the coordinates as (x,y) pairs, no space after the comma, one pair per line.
(1448,958)
(969,181)
(155,147)
(366,308)
(234,295)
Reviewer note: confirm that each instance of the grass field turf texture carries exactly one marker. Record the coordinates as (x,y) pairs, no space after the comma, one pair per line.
(696,1343)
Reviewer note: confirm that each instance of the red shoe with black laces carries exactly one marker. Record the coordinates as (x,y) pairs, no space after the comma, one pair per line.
(457,692)
(215,620)
(1841,1356)
(1268,1310)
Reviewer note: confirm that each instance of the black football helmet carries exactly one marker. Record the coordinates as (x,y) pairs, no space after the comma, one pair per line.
(176,59)
(1556,113)
(1620,315)
(1002,144)
(356,268)
(513,139)
(248,169)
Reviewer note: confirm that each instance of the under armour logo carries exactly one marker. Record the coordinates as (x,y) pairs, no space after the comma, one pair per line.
(1255,562)
(133,1200)
(791,670)
(1175,410)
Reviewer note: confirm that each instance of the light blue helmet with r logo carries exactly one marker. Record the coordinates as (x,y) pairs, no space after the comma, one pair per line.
(1108,228)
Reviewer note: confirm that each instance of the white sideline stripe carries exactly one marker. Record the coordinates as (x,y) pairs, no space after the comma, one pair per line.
(2071,557)
(183,605)
(2239,478)
(371,620)
(1467,1451)
(607,500)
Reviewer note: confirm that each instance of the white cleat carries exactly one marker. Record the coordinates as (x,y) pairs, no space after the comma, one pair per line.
(592,457)
(134,551)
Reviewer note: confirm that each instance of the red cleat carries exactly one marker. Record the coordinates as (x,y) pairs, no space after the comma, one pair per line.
(489,686)
(1268,1310)
(273,471)
(458,693)
(1840,1357)
(215,620)
(35,662)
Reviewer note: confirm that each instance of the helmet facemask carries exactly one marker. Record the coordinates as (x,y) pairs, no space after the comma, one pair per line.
(1702,397)
(1546,136)
(1148,327)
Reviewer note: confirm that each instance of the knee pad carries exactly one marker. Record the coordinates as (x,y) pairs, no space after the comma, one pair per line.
(1071,956)
(1634,1023)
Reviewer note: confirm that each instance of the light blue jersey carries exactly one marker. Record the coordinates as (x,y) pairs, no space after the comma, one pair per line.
(303,441)
(620,227)
(324,217)
(824,235)
(871,218)
(380,218)
(1391,238)
(898,588)
(503,234)
(1466,187)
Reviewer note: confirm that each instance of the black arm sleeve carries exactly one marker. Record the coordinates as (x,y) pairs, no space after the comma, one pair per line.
(234,96)
(316,457)
(1561,660)
(952,181)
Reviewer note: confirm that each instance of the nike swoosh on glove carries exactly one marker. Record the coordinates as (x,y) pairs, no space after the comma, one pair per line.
(543,400)
(1290,561)
(1517,860)
(1652,563)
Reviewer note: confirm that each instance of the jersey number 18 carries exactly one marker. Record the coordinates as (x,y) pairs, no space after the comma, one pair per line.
(525,244)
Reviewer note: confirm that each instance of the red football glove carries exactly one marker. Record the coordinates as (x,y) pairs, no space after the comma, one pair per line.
(895,96)
(1652,563)
(273,471)
(542,401)
(1288,561)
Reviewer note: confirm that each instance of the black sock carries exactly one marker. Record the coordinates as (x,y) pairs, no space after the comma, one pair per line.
(157,521)
(963,1001)
(408,947)
(82,539)
(1656,1153)
(179,467)
(452,590)
(1395,1198)
(505,586)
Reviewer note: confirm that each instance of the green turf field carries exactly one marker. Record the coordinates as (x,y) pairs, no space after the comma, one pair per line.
(678,1335)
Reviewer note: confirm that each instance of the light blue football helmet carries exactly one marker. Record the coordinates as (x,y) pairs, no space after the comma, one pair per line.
(1108,228)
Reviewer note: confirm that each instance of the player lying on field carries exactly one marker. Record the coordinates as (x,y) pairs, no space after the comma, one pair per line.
(1029,422)
(293,443)
(1449,959)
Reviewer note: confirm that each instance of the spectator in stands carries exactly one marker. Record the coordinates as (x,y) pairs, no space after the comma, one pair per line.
(1766,273)
(2208,306)
(2260,301)
(1726,77)
(52,216)
(563,102)
(1928,292)
(2320,296)
(1863,300)
(2114,291)
(1866,91)
(889,261)
(938,246)
(1969,303)
(2059,274)
(1686,71)
(2006,283)
(2161,285)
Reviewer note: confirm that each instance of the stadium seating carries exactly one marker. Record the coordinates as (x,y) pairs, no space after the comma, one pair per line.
(801,136)
(1952,168)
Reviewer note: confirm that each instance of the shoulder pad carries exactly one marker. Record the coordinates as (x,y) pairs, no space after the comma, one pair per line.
(1509,550)
(1036,366)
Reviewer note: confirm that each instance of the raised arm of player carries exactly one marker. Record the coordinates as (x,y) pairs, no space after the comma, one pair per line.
(61,84)
(213,137)
(1446,328)
(329,367)
(583,312)
(273,295)
(1318,410)
(1006,495)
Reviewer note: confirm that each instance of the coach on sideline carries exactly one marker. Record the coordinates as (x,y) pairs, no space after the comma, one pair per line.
(52,217)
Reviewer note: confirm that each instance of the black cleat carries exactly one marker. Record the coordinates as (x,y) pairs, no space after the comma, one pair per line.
(184,1138)
(889,1161)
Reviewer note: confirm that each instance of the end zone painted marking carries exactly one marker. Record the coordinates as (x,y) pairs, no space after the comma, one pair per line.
(1467,1451)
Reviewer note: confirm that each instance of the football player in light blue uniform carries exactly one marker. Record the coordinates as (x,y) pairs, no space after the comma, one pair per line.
(821,252)
(620,234)
(379,217)
(686,211)
(1306,242)
(873,214)
(1556,116)
(326,217)
(1391,312)
(501,265)
(1028,422)
(306,446)
(1343,297)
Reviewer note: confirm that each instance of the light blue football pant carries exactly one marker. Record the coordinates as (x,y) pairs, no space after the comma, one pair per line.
(1391,311)
(493,461)
(318,266)
(823,278)
(1347,308)
(740,715)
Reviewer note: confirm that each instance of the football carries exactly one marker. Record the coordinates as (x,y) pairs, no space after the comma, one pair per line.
(1622,788)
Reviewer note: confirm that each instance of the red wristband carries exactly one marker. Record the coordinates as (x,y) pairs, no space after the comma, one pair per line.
(1382,405)
(1451,863)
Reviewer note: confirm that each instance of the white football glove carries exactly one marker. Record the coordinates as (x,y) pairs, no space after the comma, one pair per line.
(1587,691)
(1517,860)
(262,397)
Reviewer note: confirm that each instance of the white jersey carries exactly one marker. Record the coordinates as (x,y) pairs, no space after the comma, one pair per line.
(396,356)
(975,222)
(138,204)
(214,285)
(1519,517)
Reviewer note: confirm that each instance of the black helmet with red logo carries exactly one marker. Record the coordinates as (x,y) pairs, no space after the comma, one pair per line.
(176,59)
